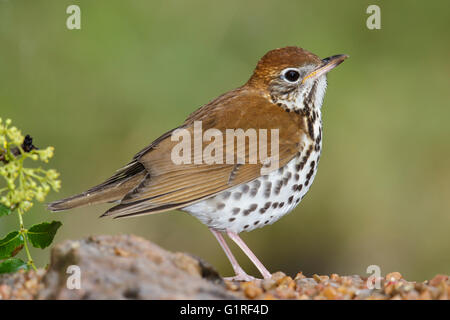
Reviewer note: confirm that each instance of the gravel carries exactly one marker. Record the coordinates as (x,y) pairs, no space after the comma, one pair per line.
(129,267)
(336,287)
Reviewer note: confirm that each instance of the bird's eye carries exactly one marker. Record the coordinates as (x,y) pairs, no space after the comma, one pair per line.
(291,75)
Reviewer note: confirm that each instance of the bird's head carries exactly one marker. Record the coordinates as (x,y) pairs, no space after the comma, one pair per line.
(293,77)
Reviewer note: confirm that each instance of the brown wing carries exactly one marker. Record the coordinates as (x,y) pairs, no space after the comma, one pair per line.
(168,185)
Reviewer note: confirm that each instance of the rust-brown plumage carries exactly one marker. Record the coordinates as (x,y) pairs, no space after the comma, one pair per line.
(284,93)
(153,183)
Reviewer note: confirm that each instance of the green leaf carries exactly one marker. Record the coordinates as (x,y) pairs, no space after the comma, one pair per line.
(12,265)
(11,244)
(4,210)
(41,235)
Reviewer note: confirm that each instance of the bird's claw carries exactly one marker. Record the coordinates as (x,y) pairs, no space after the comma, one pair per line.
(241,277)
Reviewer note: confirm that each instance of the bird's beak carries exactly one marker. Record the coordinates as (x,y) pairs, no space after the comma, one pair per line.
(327,65)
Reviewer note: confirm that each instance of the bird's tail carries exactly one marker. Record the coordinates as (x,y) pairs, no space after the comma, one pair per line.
(113,189)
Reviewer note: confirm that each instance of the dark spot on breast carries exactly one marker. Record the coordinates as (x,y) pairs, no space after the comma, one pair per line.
(290,199)
(250,209)
(262,210)
(318,139)
(281,205)
(311,128)
(287,177)
(246,226)
(278,187)
(268,189)
(306,111)
(245,188)
(255,186)
(267,205)
(305,158)
(297,176)
(317,147)
(226,195)
(309,175)
(220,205)
(231,219)
(275,204)
(236,210)
(237,195)
(256,222)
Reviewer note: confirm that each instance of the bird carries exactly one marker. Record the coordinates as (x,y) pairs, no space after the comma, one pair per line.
(284,95)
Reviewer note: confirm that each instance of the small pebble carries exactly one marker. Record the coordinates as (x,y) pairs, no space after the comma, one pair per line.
(438,279)
(321,287)
(393,276)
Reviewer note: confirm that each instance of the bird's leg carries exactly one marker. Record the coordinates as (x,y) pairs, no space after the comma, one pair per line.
(241,275)
(234,236)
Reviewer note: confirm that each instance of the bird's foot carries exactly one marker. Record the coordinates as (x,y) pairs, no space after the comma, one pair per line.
(241,277)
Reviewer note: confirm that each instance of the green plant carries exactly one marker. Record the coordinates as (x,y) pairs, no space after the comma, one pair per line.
(18,188)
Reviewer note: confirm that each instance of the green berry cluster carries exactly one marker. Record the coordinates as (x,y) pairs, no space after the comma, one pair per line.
(19,186)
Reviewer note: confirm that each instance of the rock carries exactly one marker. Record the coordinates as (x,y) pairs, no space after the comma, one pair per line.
(129,267)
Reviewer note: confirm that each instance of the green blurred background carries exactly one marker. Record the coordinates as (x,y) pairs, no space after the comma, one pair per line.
(137,68)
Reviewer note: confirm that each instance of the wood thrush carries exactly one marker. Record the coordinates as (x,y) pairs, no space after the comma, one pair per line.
(285,93)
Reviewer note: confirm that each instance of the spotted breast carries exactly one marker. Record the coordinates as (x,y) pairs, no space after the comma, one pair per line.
(266,199)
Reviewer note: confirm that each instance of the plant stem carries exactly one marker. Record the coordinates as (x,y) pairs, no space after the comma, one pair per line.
(24,231)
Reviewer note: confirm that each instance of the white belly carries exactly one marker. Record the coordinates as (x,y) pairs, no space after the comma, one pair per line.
(262,201)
